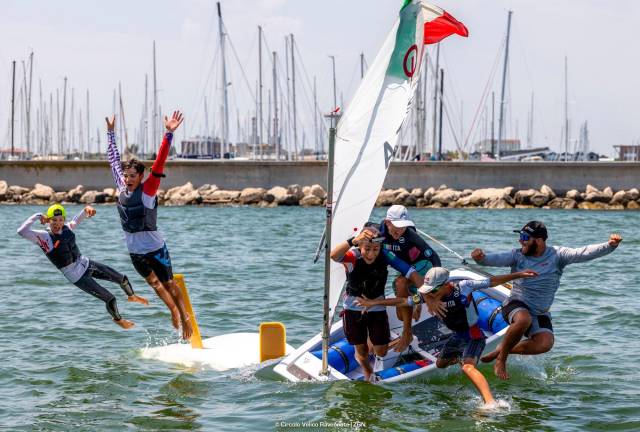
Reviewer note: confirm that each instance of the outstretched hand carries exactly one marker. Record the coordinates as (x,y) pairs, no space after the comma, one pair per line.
(478,255)
(364,302)
(615,239)
(43,219)
(171,124)
(111,122)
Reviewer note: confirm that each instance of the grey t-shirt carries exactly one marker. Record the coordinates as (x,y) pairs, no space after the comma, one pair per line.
(538,292)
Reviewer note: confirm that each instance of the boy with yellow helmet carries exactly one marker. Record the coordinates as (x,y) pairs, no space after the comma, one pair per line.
(58,243)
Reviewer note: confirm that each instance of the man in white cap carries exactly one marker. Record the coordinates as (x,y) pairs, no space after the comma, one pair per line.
(468,341)
(401,239)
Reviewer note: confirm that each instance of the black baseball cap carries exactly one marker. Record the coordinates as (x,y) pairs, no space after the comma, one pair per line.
(534,229)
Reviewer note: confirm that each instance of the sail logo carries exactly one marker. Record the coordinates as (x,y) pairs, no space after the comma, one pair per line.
(411,54)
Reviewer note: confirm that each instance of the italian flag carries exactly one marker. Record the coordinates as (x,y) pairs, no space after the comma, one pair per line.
(420,24)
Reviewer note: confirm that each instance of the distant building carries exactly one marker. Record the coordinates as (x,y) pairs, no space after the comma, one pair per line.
(489,146)
(540,153)
(628,152)
(201,147)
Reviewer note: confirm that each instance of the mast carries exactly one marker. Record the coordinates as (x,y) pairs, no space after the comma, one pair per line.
(504,82)
(276,141)
(64,112)
(493,123)
(326,325)
(145,120)
(290,153)
(72,129)
(441,100)
(29,103)
(315,116)
(154,137)
(123,126)
(361,65)
(335,97)
(260,119)
(566,110)
(13,102)
(434,150)
(530,126)
(293,88)
(88,125)
(225,97)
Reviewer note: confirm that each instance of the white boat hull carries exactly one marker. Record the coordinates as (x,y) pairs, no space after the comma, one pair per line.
(429,332)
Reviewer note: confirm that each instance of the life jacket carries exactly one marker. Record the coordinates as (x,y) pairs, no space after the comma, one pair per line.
(65,251)
(134,216)
(459,318)
(368,280)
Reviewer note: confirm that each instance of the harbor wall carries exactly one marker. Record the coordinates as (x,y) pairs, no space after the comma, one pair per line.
(237,175)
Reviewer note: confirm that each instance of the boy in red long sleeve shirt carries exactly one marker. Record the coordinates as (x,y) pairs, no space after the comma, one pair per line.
(138,209)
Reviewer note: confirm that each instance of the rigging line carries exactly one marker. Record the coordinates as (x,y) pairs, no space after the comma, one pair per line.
(485,93)
(244,76)
(308,82)
(197,98)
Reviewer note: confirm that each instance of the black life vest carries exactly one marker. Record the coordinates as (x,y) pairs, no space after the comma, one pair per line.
(134,216)
(456,316)
(368,280)
(65,251)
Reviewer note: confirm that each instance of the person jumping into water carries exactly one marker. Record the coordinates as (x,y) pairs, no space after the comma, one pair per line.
(461,317)
(527,309)
(138,209)
(58,243)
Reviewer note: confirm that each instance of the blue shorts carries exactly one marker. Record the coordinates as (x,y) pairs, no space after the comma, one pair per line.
(458,347)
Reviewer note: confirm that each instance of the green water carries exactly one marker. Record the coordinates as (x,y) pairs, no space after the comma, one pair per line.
(65,366)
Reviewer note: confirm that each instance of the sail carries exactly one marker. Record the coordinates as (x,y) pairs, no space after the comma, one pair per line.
(367,133)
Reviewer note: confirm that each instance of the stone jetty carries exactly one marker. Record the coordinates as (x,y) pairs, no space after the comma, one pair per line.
(442,196)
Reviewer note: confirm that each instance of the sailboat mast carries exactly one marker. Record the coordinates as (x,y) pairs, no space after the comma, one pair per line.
(293,92)
(441,107)
(62,121)
(434,148)
(13,97)
(225,99)
(276,141)
(504,83)
(335,97)
(315,115)
(566,110)
(326,325)
(361,65)
(29,103)
(260,118)
(88,146)
(155,99)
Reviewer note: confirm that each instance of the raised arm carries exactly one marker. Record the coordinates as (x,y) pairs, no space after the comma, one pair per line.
(588,253)
(152,183)
(40,238)
(86,212)
(501,259)
(113,155)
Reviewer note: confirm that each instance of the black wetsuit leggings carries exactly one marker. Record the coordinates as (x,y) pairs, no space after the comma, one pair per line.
(100,271)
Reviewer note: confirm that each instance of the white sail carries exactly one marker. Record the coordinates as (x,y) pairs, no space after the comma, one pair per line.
(367,133)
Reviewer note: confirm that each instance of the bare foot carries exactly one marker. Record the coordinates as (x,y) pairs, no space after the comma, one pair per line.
(403,342)
(187,329)
(175,318)
(137,299)
(490,357)
(125,324)
(500,369)
(417,310)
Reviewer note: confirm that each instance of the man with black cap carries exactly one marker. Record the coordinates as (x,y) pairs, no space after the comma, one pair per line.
(527,309)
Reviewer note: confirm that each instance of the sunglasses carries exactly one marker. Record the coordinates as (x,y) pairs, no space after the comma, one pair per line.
(524,237)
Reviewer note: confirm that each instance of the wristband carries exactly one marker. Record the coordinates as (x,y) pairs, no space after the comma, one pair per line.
(155,174)
(350,241)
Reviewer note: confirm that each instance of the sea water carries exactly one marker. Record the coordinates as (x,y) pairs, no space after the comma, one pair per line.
(66,366)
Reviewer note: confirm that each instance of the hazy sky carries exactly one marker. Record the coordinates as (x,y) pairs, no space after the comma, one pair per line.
(98,44)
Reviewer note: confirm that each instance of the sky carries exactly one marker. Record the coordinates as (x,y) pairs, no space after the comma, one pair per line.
(99,45)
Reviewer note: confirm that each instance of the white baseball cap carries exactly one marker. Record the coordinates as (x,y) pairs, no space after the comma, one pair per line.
(399,216)
(434,279)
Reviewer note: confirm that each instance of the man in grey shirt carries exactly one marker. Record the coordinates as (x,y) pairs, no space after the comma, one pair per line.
(527,309)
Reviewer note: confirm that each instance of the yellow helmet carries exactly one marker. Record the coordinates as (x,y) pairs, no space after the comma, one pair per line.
(56,210)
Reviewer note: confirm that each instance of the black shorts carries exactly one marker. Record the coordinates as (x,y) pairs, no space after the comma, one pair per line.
(157,261)
(358,326)
(539,323)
